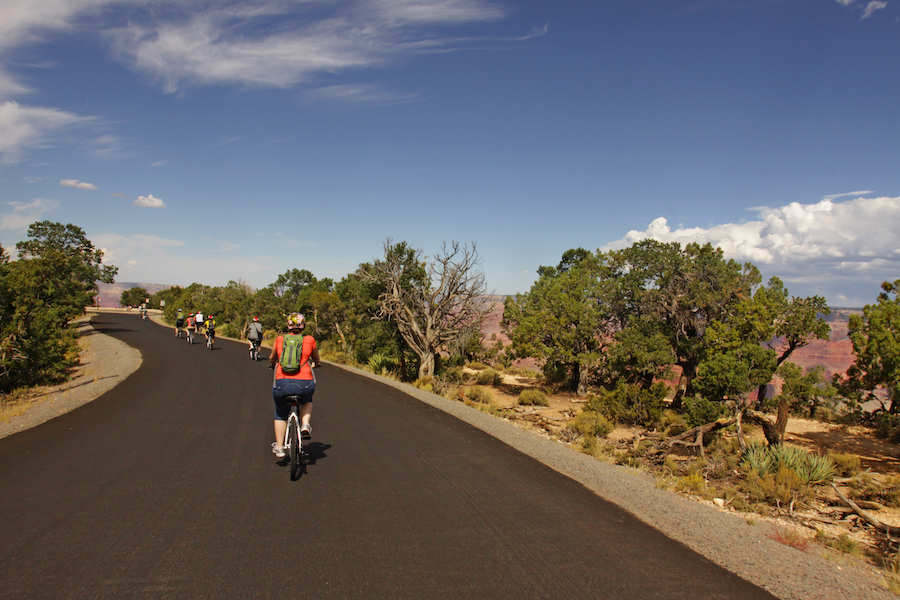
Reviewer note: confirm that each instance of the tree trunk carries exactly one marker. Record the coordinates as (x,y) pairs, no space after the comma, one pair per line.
(426,365)
(343,339)
(782,419)
(769,428)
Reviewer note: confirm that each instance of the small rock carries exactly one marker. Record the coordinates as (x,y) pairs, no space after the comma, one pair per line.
(719,502)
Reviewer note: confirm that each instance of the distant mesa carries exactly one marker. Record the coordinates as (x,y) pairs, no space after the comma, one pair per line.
(111,292)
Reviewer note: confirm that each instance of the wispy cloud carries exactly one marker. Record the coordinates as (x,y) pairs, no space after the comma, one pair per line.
(820,247)
(872,6)
(223,246)
(154,259)
(24,214)
(149,201)
(868,10)
(81,185)
(359,94)
(224,45)
(266,43)
(31,127)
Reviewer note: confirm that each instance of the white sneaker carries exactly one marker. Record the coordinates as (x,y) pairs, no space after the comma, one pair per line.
(277,450)
(305,432)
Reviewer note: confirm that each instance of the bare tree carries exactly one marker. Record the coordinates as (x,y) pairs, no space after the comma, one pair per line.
(432,302)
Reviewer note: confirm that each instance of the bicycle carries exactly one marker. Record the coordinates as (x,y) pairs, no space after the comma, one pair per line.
(292,440)
(190,336)
(254,351)
(210,339)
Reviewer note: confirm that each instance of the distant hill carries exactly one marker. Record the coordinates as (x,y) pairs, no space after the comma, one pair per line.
(111,292)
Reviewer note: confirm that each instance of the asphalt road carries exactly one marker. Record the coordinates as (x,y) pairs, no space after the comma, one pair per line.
(165,487)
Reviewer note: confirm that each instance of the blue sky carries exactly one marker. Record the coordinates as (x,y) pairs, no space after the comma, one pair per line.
(214,140)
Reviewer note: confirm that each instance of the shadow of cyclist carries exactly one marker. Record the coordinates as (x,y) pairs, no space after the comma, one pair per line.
(312,452)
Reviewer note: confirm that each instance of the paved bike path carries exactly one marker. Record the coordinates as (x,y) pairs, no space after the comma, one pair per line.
(165,487)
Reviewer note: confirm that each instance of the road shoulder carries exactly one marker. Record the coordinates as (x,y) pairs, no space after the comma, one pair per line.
(104,362)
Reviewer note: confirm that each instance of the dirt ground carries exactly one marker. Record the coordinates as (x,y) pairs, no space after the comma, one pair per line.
(876,454)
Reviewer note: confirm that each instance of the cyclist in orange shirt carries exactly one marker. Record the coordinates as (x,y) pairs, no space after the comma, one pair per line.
(301,383)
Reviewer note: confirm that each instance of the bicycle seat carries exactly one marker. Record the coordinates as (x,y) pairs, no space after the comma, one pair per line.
(292,398)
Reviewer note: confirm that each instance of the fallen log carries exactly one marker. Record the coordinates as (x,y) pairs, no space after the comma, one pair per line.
(697,433)
(888,529)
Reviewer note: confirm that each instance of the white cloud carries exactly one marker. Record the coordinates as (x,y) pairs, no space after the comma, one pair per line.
(31,126)
(149,201)
(845,2)
(872,6)
(821,247)
(81,185)
(24,214)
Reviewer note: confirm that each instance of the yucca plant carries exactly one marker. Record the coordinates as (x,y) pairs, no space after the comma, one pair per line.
(381,364)
(816,470)
(757,458)
(787,457)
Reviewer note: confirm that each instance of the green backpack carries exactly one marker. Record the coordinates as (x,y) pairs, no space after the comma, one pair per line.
(291,352)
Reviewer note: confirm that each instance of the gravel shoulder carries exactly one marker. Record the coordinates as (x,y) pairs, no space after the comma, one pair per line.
(728,539)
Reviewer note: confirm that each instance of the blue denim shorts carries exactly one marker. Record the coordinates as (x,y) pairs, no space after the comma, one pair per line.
(291,387)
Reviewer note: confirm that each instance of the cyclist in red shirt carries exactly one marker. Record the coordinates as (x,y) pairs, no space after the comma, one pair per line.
(302,383)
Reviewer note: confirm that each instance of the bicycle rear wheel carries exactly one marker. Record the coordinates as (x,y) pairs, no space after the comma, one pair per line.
(293,445)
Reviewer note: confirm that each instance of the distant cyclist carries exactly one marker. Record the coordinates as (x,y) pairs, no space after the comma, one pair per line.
(191,324)
(211,330)
(293,349)
(179,323)
(199,320)
(254,335)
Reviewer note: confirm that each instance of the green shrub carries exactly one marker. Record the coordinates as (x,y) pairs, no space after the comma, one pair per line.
(478,394)
(590,424)
(523,372)
(424,383)
(477,366)
(888,427)
(846,465)
(700,411)
(779,487)
(672,423)
(692,483)
(489,377)
(454,375)
(228,330)
(890,493)
(629,403)
(381,364)
(532,397)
